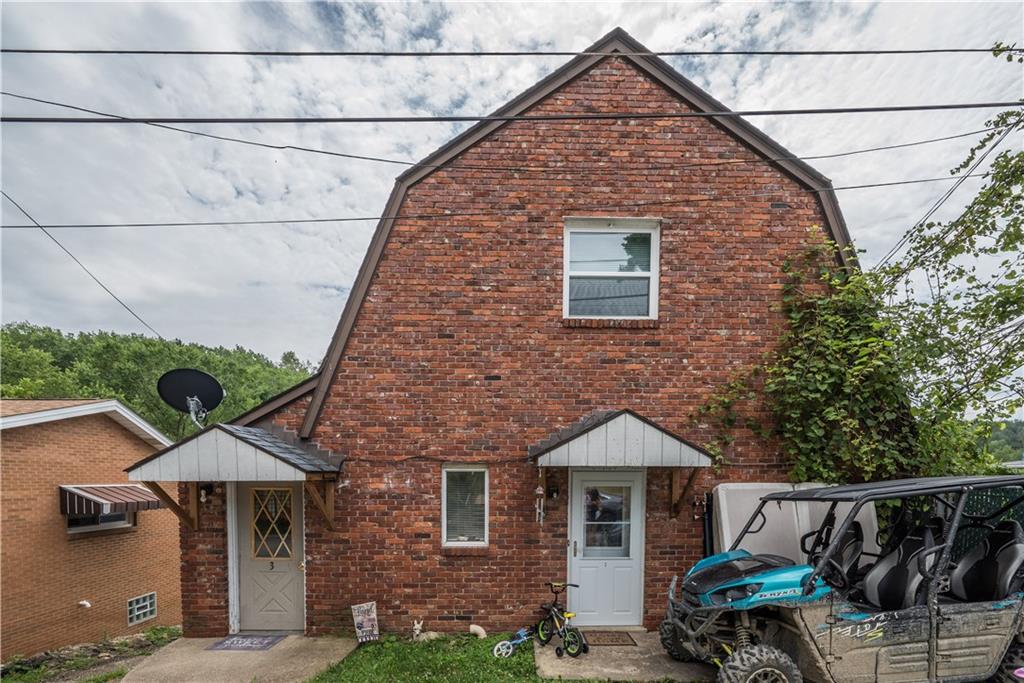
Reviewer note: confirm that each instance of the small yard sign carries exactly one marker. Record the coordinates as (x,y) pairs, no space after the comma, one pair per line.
(365,618)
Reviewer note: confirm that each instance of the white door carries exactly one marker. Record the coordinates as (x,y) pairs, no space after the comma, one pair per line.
(271,589)
(606,547)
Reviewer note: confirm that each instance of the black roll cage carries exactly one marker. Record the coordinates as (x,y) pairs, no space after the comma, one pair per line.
(961,489)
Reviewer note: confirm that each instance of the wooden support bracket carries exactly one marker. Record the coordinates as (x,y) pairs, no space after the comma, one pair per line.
(324,503)
(679,490)
(190,517)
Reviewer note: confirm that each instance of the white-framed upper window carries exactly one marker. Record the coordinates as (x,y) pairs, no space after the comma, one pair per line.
(464,505)
(142,608)
(78,524)
(611,268)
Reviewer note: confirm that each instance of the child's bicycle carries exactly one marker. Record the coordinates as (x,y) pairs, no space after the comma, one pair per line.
(556,621)
(506,648)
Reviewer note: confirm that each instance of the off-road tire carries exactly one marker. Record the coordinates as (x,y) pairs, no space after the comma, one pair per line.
(1012,660)
(670,641)
(759,664)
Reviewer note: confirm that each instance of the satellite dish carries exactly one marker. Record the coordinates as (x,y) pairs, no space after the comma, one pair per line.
(190,391)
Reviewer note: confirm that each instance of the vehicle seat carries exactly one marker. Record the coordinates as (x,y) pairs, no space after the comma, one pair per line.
(989,570)
(893,582)
(849,550)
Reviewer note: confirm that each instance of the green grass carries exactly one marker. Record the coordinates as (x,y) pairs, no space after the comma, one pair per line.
(454,659)
(29,672)
(115,675)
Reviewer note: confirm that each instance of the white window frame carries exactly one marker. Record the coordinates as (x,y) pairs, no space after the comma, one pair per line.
(128,521)
(444,506)
(144,596)
(625,226)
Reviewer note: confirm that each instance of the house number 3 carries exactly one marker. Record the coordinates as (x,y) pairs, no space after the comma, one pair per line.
(271,565)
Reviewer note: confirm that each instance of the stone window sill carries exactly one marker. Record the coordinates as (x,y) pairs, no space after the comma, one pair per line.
(596,323)
(465,551)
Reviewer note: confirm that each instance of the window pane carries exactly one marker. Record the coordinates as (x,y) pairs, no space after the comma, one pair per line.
(609,296)
(464,506)
(610,252)
(606,525)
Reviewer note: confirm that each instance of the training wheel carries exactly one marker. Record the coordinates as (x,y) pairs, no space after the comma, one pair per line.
(559,651)
(503,649)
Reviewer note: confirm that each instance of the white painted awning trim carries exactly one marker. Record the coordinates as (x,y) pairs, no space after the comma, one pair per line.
(214,455)
(624,440)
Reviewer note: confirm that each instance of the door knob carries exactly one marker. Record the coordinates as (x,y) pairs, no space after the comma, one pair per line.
(302,566)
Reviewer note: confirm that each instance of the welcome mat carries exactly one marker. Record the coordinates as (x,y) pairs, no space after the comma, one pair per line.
(608,638)
(246,642)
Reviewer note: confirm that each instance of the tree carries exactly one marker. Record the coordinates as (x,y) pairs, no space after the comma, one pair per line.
(905,369)
(42,362)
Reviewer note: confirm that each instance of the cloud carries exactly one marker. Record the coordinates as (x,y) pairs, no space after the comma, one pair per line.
(275,288)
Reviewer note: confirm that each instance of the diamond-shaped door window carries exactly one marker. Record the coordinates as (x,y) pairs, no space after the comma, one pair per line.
(272,523)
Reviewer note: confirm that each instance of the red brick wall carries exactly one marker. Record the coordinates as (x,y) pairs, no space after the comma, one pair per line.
(204,567)
(458,299)
(46,571)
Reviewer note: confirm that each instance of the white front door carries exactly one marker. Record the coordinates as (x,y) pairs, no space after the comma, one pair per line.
(606,547)
(270,581)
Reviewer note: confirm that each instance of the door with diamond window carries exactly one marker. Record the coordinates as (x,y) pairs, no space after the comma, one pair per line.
(270,586)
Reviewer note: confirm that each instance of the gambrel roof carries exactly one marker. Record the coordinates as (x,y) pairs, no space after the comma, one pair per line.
(617,41)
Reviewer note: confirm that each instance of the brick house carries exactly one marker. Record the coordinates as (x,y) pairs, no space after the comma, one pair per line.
(507,397)
(86,554)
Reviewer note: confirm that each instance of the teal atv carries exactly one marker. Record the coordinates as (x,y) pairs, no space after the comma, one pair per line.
(941,600)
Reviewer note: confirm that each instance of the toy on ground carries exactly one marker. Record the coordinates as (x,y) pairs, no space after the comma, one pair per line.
(506,648)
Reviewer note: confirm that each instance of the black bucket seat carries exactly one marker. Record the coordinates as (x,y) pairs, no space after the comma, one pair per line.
(894,581)
(990,570)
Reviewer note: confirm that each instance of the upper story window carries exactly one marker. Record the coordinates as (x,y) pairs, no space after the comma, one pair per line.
(611,268)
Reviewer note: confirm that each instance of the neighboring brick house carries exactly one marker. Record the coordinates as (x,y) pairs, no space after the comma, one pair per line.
(512,380)
(85,554)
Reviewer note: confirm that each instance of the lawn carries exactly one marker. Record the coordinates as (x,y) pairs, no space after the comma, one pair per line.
(454,659)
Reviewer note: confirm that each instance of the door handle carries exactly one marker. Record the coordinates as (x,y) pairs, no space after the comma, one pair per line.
(574,548)
(302,566)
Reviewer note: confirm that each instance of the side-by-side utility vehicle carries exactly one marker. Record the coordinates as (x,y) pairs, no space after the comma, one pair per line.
(941,600)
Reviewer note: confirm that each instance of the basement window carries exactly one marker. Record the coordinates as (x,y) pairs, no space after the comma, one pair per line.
(78,524)
(464,506)
(142,608)
(611,269)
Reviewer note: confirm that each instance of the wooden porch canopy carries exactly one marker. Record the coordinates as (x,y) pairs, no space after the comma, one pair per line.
(226,453)
(622,438)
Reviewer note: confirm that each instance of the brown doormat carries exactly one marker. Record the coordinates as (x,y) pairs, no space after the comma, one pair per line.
(609,638)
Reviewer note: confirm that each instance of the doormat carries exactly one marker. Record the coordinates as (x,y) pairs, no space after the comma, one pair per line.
(246,642)
(608,638)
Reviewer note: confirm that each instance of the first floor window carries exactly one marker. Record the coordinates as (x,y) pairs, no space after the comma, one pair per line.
(464,506)
(611,269)
(142,608)
(114,520)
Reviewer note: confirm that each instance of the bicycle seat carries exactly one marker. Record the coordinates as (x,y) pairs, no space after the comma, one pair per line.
(569,615)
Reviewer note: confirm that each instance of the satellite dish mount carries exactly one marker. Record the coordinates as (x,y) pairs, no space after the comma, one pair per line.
(192,392)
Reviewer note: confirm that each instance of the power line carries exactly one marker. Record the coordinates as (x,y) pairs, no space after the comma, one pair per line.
(413,164)
(589,116)
(502,53)
(353,219)
(81,265)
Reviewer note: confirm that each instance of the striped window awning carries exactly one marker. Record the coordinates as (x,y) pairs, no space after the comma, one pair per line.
(104,499)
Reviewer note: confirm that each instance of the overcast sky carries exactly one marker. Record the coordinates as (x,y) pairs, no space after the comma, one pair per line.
(276,288)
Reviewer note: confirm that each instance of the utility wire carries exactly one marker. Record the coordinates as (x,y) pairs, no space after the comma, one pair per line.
(462,166)
(589,116)
(353,219)
(81,265)
(946,195)
(502,53)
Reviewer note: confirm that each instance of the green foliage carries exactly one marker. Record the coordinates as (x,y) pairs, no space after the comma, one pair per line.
(41,362)
(453,659)
(1007,441)
(904,370)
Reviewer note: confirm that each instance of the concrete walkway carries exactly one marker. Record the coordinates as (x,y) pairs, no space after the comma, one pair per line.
(646,661)
(186,660)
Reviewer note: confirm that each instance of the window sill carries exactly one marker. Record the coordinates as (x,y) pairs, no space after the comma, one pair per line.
(77,535)
(625,323)
(465,551)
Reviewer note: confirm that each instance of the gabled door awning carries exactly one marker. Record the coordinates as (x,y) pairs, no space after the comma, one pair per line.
(105,499)
(617,438)
(223,452)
